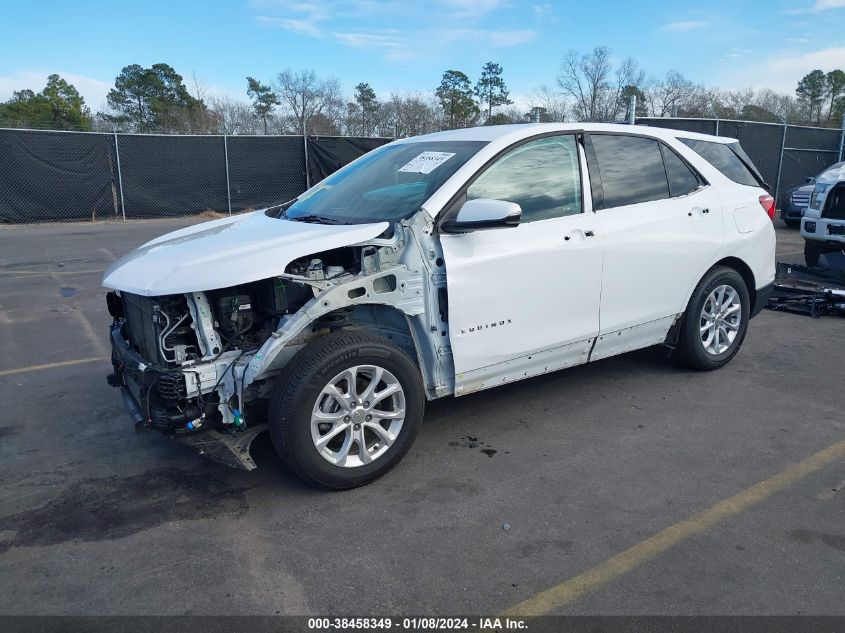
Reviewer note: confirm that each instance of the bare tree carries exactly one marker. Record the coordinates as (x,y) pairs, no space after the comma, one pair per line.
(594,86)
(409,115)
(233,116)
(675,95)
(548,103)
(785,107)
(727,104)
(584,78)
(627,76)
(306,95)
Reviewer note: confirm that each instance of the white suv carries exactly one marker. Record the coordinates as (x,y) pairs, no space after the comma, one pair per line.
(434,266)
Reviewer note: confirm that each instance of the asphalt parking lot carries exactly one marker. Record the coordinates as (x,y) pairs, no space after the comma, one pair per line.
(611,474)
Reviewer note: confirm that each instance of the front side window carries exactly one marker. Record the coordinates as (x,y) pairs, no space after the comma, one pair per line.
(543,177)
(390,183)
(631,169)
(725,159)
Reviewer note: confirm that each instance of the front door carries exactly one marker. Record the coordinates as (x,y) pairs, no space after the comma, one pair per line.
(525,300)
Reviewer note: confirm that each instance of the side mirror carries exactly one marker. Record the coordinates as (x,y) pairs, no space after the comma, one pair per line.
(483,214)
(811,179)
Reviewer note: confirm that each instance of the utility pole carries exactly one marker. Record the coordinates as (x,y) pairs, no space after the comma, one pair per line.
(842,140)
(305,146)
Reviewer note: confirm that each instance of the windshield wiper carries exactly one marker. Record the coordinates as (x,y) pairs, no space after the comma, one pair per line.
(318,219)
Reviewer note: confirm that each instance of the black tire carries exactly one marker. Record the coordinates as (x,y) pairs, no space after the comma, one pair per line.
(812,252)
(301,383)
(792,224)
(690,346)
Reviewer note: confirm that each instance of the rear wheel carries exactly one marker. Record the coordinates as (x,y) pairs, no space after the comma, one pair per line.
(346,409)
(715,321)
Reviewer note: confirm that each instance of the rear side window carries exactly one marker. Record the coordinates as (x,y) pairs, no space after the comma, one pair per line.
(631,169)
(682,180)
(723,158)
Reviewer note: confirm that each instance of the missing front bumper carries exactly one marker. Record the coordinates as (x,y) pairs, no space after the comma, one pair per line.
(228,447)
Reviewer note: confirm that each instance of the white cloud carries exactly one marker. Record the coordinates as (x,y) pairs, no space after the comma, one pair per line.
(93,90)
(307,20)
(349,22)
(735,53)
(542,10)
(490,37)
(687,25)
(388,38)
(469,9)
(781,72)
(826,59)
(400,45)
(820,5)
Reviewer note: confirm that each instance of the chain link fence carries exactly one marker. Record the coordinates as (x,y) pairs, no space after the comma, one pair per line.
(51,176)
(786,155)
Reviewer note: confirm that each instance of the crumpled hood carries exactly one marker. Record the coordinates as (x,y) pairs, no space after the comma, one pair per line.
(227,252)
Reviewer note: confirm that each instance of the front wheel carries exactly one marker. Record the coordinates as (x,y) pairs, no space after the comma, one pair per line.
(812,252)
(346,409)
(715,320)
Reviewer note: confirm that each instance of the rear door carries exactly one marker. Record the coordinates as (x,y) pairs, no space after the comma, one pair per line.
(525,300)
(662,228)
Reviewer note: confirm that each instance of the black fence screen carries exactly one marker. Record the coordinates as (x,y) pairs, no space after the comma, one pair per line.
(786,155)
(166,176)
(265,169)
(70,176)
(60,176)
(47,176)
(328,154)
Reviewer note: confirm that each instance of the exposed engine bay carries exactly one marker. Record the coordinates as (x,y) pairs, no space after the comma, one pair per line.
(203,364)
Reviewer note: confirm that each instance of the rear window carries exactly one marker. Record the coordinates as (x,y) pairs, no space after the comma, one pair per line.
(724,158)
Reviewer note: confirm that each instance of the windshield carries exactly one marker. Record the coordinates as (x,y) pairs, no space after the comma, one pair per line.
(389,183)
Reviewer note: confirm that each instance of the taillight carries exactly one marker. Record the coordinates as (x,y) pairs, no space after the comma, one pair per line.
(768,204)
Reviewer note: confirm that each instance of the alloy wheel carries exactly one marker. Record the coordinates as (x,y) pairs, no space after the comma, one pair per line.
(358,416)
(721,317)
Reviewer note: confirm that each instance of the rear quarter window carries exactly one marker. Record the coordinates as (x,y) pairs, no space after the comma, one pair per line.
(723,158)
(682,180)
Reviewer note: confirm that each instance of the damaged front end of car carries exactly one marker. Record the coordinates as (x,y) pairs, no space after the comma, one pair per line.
(201,365)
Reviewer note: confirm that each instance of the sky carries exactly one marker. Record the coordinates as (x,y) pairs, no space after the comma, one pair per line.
(406,45)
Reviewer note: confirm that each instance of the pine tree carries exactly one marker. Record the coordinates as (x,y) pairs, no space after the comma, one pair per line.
(491,89)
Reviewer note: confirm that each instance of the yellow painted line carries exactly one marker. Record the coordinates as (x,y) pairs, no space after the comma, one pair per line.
(593,579)
(64,363)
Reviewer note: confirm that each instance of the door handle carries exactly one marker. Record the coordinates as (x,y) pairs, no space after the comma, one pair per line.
(588,233)
(704,210)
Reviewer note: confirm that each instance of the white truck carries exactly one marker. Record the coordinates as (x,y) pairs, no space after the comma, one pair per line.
(436,266)
(823,224)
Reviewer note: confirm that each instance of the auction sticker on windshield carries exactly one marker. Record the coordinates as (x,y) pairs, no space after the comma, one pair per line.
(426,162)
